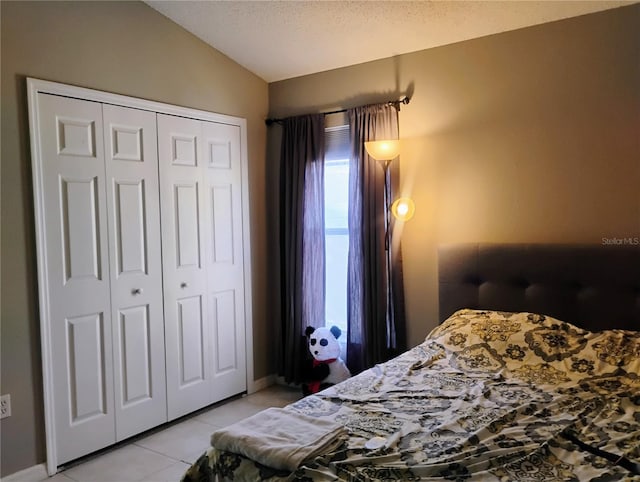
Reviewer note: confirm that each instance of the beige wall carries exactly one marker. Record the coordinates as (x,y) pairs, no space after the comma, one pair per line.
(126,48)
(527,136)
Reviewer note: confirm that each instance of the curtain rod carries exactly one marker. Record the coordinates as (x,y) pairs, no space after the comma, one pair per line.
(405,100)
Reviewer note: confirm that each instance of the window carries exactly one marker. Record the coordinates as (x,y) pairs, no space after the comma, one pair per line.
(336,227)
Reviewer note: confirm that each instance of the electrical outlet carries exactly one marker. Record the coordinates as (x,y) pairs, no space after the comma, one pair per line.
(5,406)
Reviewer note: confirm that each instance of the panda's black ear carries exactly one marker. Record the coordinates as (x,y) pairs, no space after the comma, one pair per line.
(336,331)
(309,330)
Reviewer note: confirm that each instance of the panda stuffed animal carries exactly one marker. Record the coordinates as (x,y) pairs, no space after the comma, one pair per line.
(327,368)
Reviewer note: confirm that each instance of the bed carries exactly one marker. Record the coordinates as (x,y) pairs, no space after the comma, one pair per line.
(533,374)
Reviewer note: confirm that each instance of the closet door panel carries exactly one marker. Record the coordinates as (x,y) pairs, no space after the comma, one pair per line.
(192,344)
(225,263)
(131,162)
(224,317)
(85,340)
(80,229)
(184,241)
(186,207)
(77,274)
(136,355)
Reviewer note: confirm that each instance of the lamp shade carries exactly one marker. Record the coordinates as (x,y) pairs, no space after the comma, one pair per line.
(403,208)
(383,150)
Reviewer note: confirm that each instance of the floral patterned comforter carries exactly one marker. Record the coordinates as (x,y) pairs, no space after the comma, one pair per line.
(487,396)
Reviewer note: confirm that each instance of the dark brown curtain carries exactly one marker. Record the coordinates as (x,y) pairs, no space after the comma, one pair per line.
(301,238)
(376,319)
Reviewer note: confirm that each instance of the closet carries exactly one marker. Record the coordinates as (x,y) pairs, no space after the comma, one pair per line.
(141,215)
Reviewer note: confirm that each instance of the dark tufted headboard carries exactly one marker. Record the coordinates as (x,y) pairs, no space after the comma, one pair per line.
(595,287)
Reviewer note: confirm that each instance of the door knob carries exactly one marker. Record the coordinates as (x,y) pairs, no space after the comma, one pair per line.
(136,291)
(183,285)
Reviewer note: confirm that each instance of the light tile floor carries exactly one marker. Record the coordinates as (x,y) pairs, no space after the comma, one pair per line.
(164,455)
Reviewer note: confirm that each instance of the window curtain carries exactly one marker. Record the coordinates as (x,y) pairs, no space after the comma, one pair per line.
(376,319)
(301,238)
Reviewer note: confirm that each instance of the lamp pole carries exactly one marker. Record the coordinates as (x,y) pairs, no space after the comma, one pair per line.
(387,205)
(391,333)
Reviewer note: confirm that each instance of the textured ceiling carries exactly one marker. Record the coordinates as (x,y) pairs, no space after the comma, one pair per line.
(282,39)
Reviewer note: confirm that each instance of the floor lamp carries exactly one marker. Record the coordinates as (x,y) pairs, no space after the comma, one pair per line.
(403,209)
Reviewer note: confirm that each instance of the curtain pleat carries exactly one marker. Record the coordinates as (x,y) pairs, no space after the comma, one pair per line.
(376,320)
(302,238)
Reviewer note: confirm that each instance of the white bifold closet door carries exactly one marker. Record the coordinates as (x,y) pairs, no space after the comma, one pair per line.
(135,258)
(200,169)
(103,272)
(78,274)
(142,233)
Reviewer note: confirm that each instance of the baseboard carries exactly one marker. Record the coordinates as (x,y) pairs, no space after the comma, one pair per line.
(261,384)
(281,381)
(31,474)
